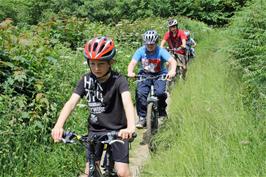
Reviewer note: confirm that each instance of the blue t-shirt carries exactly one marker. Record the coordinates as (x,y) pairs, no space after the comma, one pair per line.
(152,62)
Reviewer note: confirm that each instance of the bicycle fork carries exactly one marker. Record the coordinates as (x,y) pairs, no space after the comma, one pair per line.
(153,99)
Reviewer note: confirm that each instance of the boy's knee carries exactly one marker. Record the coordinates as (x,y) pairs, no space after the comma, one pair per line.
(122,169)
(122,172)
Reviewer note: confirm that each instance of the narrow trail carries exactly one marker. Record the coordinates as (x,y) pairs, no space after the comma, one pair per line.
(140,154)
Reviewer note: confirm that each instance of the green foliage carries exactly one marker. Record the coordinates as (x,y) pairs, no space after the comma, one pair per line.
(212,12)
(249,51)
(30,95)
(32,12)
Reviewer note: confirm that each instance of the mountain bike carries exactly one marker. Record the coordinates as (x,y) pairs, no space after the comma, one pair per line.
(180,70)
(90,141)
(152,108)
(190,53)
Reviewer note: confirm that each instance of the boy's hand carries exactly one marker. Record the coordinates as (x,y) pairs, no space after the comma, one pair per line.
(171,75)
(131,74)
(125,133)
(57,134)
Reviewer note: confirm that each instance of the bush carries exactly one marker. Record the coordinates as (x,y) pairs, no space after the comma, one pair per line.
(249,51)
(212,12)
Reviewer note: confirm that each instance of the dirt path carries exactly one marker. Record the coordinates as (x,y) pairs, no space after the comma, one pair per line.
(139,154)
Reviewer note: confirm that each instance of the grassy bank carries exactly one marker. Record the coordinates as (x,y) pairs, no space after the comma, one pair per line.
(208,132)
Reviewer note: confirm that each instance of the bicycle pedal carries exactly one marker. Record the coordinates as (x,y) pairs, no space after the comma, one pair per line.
(143,142)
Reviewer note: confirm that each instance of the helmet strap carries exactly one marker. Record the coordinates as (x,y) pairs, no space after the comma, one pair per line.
(108,73)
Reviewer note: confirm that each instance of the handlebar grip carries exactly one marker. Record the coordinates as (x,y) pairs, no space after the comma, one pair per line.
(68,137)
(134,135)
(68,134)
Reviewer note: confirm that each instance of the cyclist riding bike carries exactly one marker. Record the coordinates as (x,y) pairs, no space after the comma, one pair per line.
(191,44)
(176,40)
(109,102)
(152,59)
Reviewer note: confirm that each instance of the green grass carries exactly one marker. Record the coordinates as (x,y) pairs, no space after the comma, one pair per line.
(208,132)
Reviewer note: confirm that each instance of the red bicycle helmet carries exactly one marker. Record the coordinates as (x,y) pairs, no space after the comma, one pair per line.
(99,48)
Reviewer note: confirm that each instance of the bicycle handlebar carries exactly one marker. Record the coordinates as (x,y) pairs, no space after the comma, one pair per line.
(105,138)
(174,49)
(141,77)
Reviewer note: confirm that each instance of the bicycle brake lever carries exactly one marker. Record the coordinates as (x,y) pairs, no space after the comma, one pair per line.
(67,141)
(119,141)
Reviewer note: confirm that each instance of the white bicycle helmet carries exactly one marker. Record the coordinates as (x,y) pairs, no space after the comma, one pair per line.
(150,37)
(172,22)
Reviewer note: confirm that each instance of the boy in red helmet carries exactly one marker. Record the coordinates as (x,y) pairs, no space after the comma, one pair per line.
(109,101)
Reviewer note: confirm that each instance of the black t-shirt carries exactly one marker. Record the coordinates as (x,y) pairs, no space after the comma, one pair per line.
(104,101)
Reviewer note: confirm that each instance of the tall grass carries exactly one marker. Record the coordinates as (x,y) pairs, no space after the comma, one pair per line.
(208,132)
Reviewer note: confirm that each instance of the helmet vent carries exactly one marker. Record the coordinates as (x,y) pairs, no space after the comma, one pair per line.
(108,53)
(95,46)
(101,48)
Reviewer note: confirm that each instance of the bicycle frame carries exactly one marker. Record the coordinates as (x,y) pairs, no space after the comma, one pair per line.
(152,108)
(152,111)
(180,70)
(91,141)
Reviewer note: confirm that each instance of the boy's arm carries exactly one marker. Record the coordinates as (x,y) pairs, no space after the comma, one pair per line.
(130,68)
(162,43)
(184,43)
(69,106)
(172,68)
(130,115)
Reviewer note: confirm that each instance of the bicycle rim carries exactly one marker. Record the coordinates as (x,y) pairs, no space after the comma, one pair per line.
(97,172)
(109,170)
(154,120)
(149,122)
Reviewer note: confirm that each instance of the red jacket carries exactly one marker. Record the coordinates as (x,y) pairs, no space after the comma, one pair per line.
(175,41)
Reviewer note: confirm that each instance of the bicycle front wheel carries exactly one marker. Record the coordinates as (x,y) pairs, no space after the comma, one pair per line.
(149,122)
(97,172)
(154,119)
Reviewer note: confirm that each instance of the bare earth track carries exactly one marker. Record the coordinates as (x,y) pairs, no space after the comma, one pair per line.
(139,153)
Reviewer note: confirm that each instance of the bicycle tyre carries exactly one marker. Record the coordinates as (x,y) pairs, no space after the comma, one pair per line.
(154,120)
(97,172)
(109,170)
(180,71)
(149,123)
(183,71)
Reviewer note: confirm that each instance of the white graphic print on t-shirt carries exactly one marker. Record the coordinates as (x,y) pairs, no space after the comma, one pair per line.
(94,97)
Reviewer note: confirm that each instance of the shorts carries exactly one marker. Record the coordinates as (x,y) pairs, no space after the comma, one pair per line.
(120,152)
